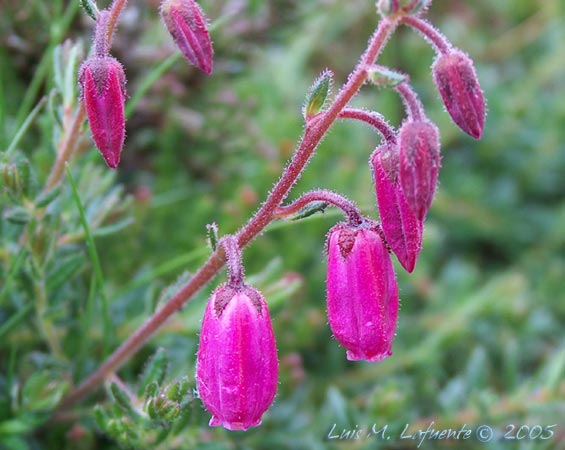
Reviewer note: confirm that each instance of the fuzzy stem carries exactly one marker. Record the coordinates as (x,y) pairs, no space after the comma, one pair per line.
(101,40)
(66,149)
(412,104)
(372,118)
(349,209)
(440,43)
(234,262)
(308,143)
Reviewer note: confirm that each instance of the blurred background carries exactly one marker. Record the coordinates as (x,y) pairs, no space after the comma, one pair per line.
(480,338)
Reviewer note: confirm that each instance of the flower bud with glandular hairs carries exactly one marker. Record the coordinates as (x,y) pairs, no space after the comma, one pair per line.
(102,81)
(362,293)
(237,366)
(419,161)
(457,82)
(187,24)
(402,230)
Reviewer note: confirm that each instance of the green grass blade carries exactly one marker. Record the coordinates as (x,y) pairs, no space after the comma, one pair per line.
(25,125)
(14,321)
(95,261)
(148,81)
(12,273)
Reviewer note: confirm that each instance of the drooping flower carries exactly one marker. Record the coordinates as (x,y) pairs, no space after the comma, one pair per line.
(402,230)
(455,77)
(187,24)
(237,366)
(362,293)
(102,81)
(419,160)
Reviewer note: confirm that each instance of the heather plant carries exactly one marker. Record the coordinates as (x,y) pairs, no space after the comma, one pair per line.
(51,226)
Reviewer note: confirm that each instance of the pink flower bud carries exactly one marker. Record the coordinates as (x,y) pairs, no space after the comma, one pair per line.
(402,230)
(362,293)
(456,79)
(186,23)
(103,92)
(418,142)
(237,367)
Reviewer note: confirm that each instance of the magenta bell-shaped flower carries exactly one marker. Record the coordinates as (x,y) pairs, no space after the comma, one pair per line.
(419,161)
(237,366)
(457,82)
(102,81)
(362,293)
(402,230)
(186,23)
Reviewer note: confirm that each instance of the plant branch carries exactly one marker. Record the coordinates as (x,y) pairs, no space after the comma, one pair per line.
(438,40)
(371,118)
(311,137)
(349,209)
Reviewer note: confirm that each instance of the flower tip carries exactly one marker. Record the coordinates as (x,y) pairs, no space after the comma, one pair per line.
(372,358)
(456,79)
(234,425)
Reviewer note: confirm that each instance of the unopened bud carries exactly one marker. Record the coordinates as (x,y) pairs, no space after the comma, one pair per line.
(237,367)
(362,293)
(419,161)
(103,92)
(457,82)
(402,230)
(187,24)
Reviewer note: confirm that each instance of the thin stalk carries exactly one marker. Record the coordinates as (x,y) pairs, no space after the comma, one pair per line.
(67,148)
(371,118)
(234,261)
(350,211)
(309,141)
(438,40)
(412,104)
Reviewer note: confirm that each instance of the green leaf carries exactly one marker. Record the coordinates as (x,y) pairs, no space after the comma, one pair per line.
(318,94)
(212,232)
(122,399)
(310,210)
(90,8)
(384,77)
(155,371)
(17,215)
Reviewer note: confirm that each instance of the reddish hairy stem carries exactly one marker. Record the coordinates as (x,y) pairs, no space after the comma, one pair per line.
(438,40)
(349,209)
(232,252)
(308,143)
(66,149)
(371,118)
(414,107)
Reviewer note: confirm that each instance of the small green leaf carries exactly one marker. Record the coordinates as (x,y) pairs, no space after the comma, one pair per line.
(310,210)
(90,8)
(384,77)
(45,198)
(154,372)
(152,390)
(17,215)
(212,232)
(122,399)
(318,94)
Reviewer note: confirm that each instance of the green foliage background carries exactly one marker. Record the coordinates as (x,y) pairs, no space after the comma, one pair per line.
(481,332)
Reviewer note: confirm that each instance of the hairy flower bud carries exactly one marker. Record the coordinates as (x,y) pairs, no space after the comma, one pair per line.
(103,82)
(362,294)
(457,82)
(402,230)
(418,142)
(237,367)
(186,23)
